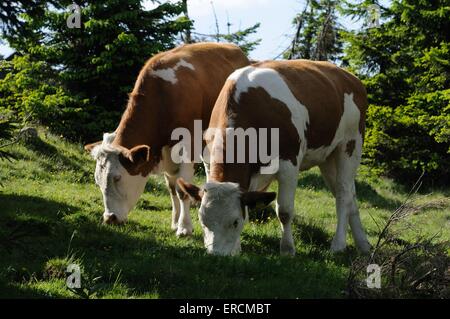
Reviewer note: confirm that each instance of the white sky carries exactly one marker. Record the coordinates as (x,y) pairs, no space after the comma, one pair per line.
(275,17)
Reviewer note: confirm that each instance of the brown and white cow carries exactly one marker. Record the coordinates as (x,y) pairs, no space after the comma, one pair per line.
(173,89)
(319,110)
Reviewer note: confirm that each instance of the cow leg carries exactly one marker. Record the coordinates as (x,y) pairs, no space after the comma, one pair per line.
(287,184)
(358,233)
(185,227)
(344,200)
(328,171)
(171,184)
(346,207)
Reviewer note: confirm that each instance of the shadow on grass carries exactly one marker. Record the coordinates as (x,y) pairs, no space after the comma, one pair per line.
(262,215)
(312,234)
(145,261)
(312,240)
(364,191)
(306,232)
(148,206)
(28,221)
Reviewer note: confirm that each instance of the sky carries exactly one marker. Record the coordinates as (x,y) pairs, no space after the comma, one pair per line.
(275,16)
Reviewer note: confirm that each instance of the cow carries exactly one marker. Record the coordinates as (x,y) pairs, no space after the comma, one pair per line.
(173,89)
(319,111)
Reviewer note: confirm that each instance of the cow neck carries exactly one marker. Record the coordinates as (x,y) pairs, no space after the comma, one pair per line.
(144,120)
(239,173)
(234,173)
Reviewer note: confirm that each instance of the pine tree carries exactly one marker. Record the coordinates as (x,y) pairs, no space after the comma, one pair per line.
(240,38)
(96,64)
(318,32)
(10,12)
(405,66)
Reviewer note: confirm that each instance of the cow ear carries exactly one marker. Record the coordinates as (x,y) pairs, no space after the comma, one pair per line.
(139,155)
(90,148)
(257,199)
(194,192)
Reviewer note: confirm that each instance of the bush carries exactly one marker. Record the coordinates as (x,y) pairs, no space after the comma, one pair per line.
(76,80)
(412,138)
(32,91)
(405,65)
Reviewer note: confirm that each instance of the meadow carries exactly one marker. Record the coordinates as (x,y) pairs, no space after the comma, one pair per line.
(50,217)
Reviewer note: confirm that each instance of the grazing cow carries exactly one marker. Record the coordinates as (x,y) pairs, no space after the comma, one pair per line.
(173,89)
(319,110)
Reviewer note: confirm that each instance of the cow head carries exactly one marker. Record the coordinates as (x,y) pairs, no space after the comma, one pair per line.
(120,175)
(222,213)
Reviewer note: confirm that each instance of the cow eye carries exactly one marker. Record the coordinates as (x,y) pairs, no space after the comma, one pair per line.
(236,223)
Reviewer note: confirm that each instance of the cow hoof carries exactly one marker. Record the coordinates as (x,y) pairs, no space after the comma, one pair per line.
(184,232)
(290,253)
(364,247)
(287,250)
(174,227)
(338,246)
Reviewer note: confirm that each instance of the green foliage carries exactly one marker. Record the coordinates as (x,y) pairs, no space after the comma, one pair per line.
(31,90)
(7,128)
(77,80)
(405,66)
(10,12)
(240,38)
(406,141)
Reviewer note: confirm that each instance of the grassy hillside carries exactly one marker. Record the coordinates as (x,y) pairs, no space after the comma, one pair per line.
(50,216)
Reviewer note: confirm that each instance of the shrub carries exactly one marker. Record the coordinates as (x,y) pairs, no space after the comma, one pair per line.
(412,138)
(32,91)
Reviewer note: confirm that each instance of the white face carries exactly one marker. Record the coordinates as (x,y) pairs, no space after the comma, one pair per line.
(120,190)
(222,218)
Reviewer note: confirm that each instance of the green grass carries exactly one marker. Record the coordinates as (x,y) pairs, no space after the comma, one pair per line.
(50,216)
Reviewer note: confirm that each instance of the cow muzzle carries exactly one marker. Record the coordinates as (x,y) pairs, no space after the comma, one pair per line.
(111,219)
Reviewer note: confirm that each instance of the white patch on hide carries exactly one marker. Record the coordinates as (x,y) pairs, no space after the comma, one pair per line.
(169,74)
